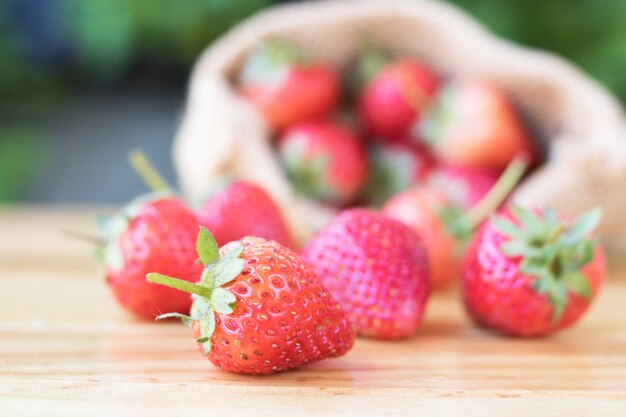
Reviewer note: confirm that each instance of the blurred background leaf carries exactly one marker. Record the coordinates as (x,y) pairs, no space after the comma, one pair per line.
(21,154)
(591,33)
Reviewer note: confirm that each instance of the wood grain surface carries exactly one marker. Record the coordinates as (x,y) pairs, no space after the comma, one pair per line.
(66,349)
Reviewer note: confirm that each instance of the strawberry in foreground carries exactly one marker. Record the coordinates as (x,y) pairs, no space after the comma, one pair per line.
(393,99)
(243,209)
(325,161)
(258,309)
(532,272)
(376,268)
(153,232)
(474,124)
(286,86)
(394,168)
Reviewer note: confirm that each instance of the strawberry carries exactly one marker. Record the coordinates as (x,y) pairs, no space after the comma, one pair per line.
(258,309)
(286,86)
(154,232)
(393,100)
(324,160)
(243,209)
(532,272)
(422,208)
(441,218)
(394,168)
(377,269)
(464,185)
(474,124)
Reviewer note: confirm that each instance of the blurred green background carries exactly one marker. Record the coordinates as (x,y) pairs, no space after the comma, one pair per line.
(82,81)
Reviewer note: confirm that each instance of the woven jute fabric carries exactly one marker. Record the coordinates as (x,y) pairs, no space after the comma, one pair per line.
(582,125)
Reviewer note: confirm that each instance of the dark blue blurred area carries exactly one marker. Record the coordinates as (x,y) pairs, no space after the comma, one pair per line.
(46,38)
(83,81)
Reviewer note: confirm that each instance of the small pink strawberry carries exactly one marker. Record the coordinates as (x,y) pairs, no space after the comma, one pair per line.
(377,270)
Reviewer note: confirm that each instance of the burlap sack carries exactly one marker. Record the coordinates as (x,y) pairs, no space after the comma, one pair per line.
(582,124)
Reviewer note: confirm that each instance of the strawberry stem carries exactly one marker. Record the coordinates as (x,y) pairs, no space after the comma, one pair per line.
(147,172)
(497,194)
(180,284)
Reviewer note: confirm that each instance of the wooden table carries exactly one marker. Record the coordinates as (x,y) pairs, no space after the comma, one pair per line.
(66,349)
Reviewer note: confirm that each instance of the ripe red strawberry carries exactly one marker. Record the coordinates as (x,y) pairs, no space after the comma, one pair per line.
(474,124)
(243,209)
(324,160)
(258,309)
(464,185)
(422,208)
(376,268)
(154,232)
(394,168)
(393,100)
(531,272)
(287,87)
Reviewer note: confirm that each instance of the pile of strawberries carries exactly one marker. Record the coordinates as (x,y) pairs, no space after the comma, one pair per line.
(421,173)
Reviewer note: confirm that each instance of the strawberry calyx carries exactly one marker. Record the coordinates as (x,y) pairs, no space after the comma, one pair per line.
(552,251)
(437,117)
(307,172)
(208,295)
(370,63)
(269,62)
(392,171)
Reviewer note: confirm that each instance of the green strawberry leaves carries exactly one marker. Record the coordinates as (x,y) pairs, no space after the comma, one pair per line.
(584,225)
(371,62)
(208,295)
(552,251)
(207,248)
(308,172)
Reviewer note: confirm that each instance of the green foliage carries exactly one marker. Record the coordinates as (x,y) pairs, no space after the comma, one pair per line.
(109,35)
(16,73)
(22,154)
(591,33)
